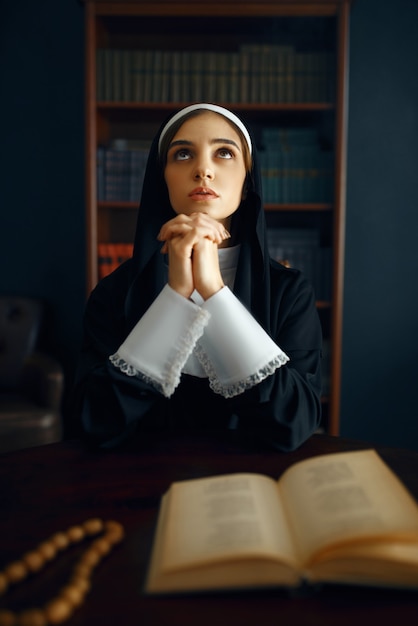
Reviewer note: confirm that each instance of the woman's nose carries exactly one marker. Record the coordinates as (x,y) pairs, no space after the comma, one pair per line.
(202,171)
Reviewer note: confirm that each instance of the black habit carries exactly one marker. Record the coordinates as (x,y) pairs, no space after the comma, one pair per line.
(281,411)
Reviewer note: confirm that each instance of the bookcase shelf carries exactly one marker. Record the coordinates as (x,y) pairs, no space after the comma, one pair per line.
(261,108)
(314,34)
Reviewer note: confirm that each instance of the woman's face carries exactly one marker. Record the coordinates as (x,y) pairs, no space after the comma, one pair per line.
(205,170)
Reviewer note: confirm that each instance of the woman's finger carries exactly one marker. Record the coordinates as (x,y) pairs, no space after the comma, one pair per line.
(216,234)
(201,224)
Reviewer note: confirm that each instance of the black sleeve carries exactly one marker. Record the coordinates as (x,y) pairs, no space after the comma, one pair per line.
(285,409)
(106,402)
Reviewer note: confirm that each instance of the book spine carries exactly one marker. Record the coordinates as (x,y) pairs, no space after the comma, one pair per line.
(107,75)
(254,74)
(303,168)
(156,76)
(120,173)
(165,76)
(104,260)
(298,248)
(148,75)
(100,74)
(100,165)
(117,72)
(126,69)
(137,75)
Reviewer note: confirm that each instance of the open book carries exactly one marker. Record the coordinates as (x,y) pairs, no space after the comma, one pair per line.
(342,518)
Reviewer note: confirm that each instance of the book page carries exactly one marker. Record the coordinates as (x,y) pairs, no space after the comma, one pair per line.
(225,517)
(348,496)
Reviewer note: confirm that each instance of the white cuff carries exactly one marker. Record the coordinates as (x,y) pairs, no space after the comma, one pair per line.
(159,345)
(235,350)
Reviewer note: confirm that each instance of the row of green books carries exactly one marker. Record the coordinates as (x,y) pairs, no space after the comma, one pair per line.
(253,74)
(295,166)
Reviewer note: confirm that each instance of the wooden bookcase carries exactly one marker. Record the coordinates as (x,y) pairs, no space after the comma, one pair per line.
(231,27)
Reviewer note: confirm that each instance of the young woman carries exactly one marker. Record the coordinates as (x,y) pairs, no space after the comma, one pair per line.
(201,329)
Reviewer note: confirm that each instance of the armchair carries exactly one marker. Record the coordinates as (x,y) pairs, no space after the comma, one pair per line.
(31,382)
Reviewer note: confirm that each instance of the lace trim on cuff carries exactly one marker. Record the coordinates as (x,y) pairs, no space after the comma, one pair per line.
(229,391)
(130,370)
(172,368)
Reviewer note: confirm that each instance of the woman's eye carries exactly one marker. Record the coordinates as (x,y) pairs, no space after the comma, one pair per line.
(182,155)
(225,153)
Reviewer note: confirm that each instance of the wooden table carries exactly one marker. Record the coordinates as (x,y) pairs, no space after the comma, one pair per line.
(52,487)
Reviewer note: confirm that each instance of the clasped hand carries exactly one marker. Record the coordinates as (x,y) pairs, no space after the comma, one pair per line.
(191,242)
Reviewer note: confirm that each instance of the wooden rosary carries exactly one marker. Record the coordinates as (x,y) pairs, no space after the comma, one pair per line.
(72,595)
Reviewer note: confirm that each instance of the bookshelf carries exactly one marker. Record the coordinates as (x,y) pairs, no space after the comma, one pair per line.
(282,65)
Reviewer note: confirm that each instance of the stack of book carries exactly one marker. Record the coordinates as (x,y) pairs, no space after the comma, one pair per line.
(254,73)
(294,166)
(120,170)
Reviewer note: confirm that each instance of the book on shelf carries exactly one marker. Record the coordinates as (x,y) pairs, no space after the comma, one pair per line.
(340,518)
(300,248)
(121,170)
(266,73)
(295,168)
(111,255)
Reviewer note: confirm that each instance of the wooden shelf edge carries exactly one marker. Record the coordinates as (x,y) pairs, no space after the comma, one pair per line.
(238,106)
(225,8)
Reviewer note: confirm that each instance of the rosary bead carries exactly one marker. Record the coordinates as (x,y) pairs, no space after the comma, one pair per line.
(73,594)
(32,617)
(34,561)
(4,584)
(80,583)
(7,618)
(75,534)
(90,558)
(58,610)
(47,550)
(16,571)
(60,541)
(101,546)
(93,526)
(114,531)
(82,571)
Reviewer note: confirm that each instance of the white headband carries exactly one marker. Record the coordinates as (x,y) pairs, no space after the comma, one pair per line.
(209,107)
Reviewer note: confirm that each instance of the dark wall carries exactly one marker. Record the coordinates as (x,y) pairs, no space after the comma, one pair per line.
(42,232)
(380,341)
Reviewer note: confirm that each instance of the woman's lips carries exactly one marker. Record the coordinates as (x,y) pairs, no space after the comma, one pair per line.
(202,193)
